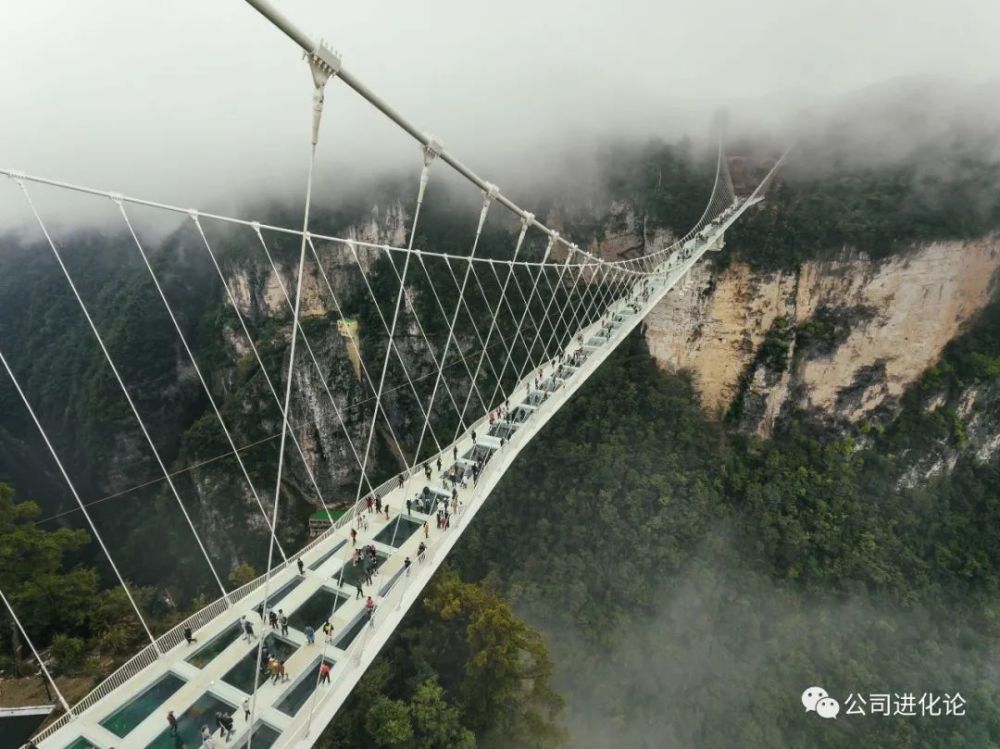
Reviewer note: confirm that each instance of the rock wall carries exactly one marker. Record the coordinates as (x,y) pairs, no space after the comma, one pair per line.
(902,312)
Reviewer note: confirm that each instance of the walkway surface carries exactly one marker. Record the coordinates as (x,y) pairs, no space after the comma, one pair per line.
(216,673)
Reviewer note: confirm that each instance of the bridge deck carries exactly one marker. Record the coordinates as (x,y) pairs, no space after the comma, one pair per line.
(216,673)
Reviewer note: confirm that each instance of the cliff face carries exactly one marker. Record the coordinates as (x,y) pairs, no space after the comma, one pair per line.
(849,335)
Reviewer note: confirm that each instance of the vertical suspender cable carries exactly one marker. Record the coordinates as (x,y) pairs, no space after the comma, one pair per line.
(322,65)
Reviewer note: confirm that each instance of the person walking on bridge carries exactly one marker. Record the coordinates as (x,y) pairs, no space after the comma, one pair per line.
(354,537)
(324,673)
(188,636)
(302,567)
(172,721)
(409,506)
(283,621)
(378,504)
(225,725)
(246,708)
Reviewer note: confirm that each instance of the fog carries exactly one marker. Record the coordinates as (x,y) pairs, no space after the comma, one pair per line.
(204,103)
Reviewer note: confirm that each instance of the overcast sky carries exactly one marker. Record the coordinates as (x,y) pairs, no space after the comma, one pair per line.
(191,101)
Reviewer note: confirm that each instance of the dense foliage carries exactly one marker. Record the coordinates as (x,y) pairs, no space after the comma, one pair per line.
(878,211)
(461,672)
(702,579)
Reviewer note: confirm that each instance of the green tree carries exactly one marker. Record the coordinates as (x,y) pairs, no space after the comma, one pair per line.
(241,574)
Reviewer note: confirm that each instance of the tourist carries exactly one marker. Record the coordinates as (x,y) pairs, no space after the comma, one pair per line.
(172,720)
(225,725)
(272,619)
(369,501)
(427,470)
(378,504)
(283,621)
(275,669)
(328,632)
(310,634)
(357,587)
(454,452)
(354,537)
(324,673)
(207,742)
(427,530)
(370,607)
(420,551)
(188,636)
(439,464)
(409,506)
(248,630)
(406,566)
(387,512)
(246,708)
(302,567)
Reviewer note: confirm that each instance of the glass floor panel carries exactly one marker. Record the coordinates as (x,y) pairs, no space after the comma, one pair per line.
(502,430)
(536,398)
(124,719)
(396,532)
(207,652)
(241,675)
(351,574)
(477,452)
(319,562)
(201,713)
(299,694)
(352,631)
(317,609)
(82,743)
(278,595)
(519,415)
(389,583)
(264,737)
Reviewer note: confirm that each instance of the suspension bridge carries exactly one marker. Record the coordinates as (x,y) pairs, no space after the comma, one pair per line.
(554,315)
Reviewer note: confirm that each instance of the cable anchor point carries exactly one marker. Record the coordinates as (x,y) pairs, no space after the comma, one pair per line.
(324,64)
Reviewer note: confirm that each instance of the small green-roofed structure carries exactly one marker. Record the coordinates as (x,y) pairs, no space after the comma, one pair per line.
(320,520)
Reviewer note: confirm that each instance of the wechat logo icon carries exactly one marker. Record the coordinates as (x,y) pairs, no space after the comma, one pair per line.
(816,700)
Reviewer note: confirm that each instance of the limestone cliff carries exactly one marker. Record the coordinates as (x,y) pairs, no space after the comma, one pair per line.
(884,324)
